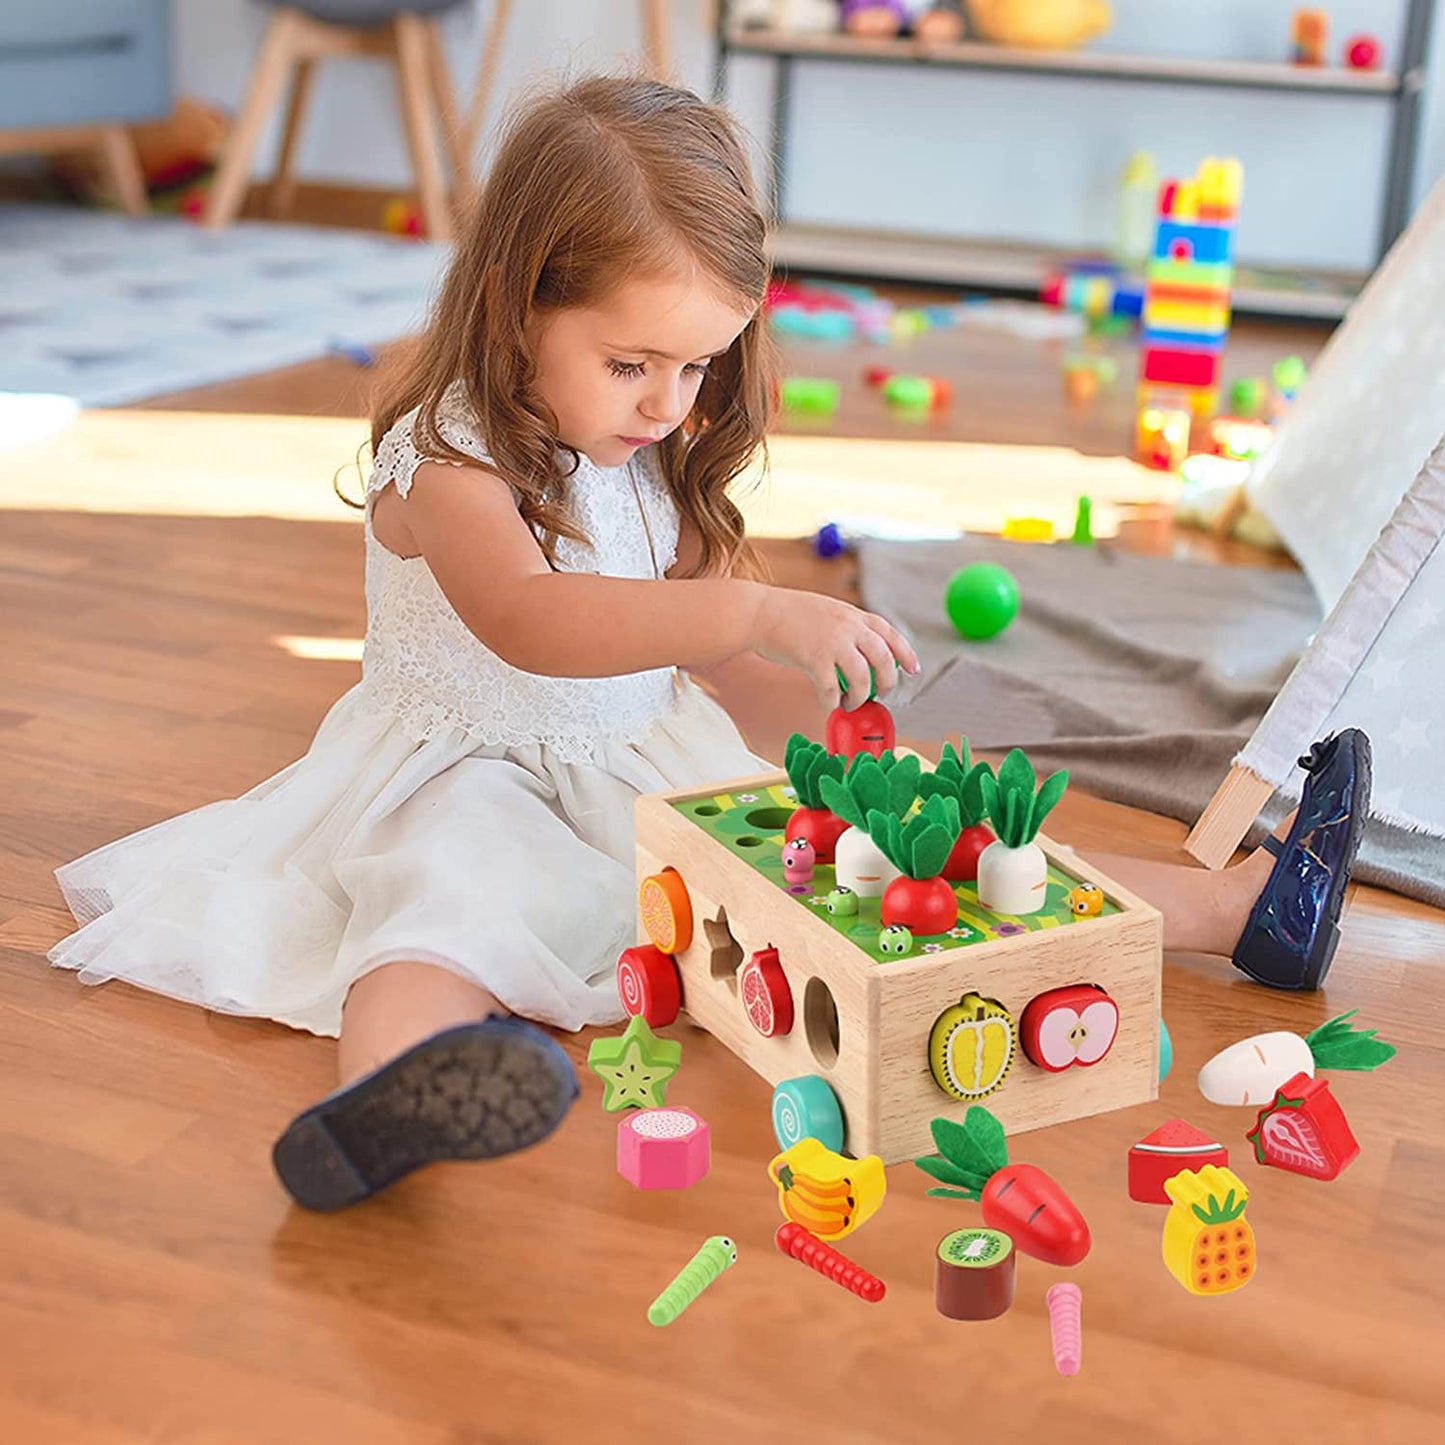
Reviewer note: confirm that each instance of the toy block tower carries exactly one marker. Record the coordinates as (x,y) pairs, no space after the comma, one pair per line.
(1186,297)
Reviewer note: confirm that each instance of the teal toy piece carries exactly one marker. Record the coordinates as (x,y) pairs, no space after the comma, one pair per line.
(981,600)
(717,1254)
(807,1108)
(1166,1050)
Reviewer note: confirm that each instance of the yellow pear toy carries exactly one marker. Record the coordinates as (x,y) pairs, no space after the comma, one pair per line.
(1041,24)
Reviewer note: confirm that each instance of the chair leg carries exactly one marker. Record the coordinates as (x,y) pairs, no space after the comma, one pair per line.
(228,188)
(282,193)
(121,168)
(486,76)
(657,38)
(448,117)
(417,102)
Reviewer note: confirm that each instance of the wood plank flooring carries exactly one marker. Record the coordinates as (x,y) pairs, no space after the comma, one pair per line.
(156,1286)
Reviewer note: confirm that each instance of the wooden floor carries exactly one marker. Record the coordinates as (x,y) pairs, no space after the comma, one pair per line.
(156,1286)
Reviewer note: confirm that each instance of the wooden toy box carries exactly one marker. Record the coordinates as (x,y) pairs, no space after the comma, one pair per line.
(863,1023)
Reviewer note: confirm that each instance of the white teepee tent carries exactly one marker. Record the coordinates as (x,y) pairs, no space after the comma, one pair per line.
(1370,418)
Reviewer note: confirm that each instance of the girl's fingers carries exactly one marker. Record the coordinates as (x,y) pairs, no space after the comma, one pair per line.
(875,648)
(898,644)
(854,666)
(825,679)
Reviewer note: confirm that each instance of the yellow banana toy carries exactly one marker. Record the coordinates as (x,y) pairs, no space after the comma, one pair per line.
(828,1195)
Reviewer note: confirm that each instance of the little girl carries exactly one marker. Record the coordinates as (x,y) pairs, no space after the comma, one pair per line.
(549,542)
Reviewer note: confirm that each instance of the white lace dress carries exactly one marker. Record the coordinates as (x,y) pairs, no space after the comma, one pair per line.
(450,809)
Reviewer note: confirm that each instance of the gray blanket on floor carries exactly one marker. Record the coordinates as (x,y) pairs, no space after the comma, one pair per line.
(1143,676)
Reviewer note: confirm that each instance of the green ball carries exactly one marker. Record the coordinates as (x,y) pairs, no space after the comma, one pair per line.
(981,600)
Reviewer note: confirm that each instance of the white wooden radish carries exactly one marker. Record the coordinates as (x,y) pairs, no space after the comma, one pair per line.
(1250,1071)
(1013,874)
(885,784)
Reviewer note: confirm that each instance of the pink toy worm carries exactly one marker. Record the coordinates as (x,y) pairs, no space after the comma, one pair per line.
(797,1243)
(1066,1329)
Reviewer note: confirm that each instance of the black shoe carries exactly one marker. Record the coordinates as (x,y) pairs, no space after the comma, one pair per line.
(471,1092)
(1293,929)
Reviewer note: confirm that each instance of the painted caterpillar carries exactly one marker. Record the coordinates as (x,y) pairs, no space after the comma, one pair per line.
(807,1248)
(717,1254)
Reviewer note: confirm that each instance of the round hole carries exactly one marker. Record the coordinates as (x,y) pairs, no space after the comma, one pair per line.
(707,810)
(820,1022)
(748,841)
(769,820)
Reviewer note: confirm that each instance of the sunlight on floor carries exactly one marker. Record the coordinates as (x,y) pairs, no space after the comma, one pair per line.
(321,649)
(221,465)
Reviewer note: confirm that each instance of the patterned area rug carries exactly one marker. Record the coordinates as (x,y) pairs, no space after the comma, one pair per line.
(107,309)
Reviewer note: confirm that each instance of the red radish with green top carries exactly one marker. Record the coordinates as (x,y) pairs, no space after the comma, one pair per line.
(867,728)
(922,900)
(888,785)
(1013,873)
(957,777)
(1018,1199)
(807,763)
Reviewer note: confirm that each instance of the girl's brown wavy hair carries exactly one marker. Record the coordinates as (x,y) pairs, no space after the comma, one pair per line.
(607,180)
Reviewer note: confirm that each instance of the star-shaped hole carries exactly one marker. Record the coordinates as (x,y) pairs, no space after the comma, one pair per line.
(725,954)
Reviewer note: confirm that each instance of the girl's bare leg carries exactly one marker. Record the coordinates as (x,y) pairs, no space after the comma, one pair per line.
(398,1005)
(1204,911)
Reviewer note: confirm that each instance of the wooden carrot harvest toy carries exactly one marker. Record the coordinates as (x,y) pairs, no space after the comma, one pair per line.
(788,962)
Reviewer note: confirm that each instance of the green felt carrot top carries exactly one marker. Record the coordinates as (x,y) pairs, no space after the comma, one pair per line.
(969,1154)
(885,784)
(1014,808)
(1335,1045)
(956,776)
(807,763)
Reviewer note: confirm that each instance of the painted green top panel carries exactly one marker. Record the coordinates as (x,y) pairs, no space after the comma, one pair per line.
(751,826)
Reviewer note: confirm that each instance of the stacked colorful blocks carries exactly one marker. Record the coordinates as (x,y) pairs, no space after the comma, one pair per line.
(1187,293)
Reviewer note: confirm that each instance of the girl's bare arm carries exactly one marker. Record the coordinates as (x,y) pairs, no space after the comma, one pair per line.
(488,564)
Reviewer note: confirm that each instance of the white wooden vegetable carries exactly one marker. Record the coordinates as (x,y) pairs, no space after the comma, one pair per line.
(861,865)
(1250,1071)
(1013,880)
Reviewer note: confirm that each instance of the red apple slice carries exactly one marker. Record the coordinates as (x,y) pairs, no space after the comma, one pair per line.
(1069,1026)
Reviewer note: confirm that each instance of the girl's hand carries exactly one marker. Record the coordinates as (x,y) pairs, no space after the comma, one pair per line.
(823,636)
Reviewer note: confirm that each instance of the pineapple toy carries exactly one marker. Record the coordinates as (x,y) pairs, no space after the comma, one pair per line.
(1208,1243)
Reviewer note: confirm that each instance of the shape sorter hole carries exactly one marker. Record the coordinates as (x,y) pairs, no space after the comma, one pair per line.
(769,820)
(748,841)
(725,953)
(820,1022)
(707,810)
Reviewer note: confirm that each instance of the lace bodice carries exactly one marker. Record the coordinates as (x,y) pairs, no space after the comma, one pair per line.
(421,662)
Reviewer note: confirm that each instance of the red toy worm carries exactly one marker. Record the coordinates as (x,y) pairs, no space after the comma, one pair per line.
(799,1244)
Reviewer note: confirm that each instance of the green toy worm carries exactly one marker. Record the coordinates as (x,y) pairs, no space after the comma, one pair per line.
(717,1254)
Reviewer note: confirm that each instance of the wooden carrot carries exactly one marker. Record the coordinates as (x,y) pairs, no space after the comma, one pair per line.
(1019,1199)
(806,1248)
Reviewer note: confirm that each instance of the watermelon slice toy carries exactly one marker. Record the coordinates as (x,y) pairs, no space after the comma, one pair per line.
(1161,1155)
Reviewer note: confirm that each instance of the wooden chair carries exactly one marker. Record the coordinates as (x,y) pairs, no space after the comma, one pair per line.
(296,39)
(304,33)
(112,145)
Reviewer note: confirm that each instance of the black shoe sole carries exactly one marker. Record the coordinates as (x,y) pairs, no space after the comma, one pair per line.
(477,1091)
(1318,965)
